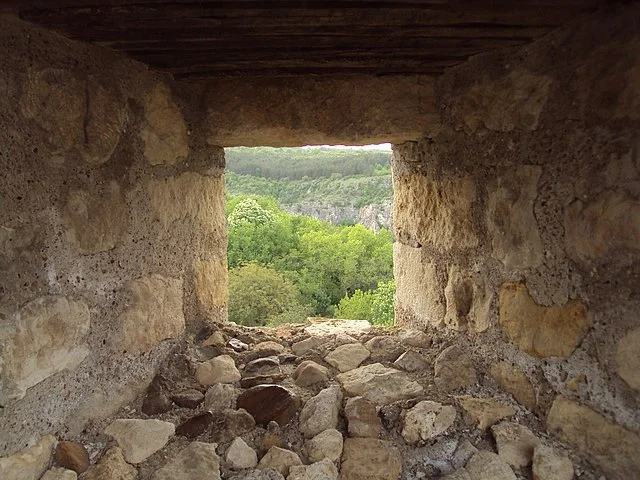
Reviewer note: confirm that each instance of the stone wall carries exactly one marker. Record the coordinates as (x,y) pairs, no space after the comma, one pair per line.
(519,224)
(112,234)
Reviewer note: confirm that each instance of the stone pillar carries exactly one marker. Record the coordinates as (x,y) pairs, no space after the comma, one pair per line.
(112,230)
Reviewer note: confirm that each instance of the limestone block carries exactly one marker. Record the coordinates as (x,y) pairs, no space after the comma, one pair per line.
(280,459)
(104,121)
(190,195)
(347,357)
(608,222)
(609,446)
(436,212)
(155,313)
(95,223)
(321,412)
(29,463)
(454,369)
(468,301)
(59,474)
(489,466)
(550,465)
(371,459)
(211,279)
(239,455)
(310,373)
(515,443)
(379,384)
(164,132)
(327,444)
(427,420)
(221,369)
(303,346)
(514,381)
(411,361)
(418,290)
(541,331)
(43,338)
(628,358)
(321,470)
(112,465)
(195,462)
(362,418)
(510,102)
(56,100)
(513,228)
(139,439)
(484,412)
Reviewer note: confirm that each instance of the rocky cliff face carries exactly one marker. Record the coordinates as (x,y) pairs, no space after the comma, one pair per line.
(373,216)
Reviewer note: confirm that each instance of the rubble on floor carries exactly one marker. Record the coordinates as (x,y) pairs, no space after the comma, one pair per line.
(323,401)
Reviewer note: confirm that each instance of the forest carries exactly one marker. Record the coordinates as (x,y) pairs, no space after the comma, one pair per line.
(284,268)
(320,176)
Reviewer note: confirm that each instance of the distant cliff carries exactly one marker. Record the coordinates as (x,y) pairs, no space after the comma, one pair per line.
(372,216)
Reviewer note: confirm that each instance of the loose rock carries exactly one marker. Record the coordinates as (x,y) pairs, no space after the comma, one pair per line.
(195,426)
(280,459)
(415,338)
(514,381)
(485,411)
(488,466)
(59,474)
(139,439)
(112,466)
(327,444)
(321,412)
(220,369)
(240,455)
(515,443)
(454,369)
(29,463)
(549,465)
(237,422)
(370,459)
(72,456)
(268,402)
(379,384)
(302,347)
(411,361)
(309,373)
(216,338)
(156,400)
(347,357)
(322,470)
(427,420)
(190,398)
(384,348)
(196,462)
(362,418)
(220,397)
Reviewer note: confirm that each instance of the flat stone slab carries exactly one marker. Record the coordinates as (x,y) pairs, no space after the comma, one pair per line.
(379,384)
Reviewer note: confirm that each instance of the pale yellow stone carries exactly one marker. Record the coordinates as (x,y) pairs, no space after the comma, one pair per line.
(190,195)
(417,290)
(628,358)
(95,222)
(468,300)
(155,314)
(46,336)
(370,459)
(211,283)
(139,439)
(514,381)
(435,212)
(29,463)
(164,133)
(541,331)
(112,466)
(611,447)
(511,223)
(485,412)
(280,459)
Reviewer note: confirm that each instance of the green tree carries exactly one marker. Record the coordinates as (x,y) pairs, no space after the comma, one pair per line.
(258,294)
(374,305)
(355,307)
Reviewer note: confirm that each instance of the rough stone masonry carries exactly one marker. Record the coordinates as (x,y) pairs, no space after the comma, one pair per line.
(517,219)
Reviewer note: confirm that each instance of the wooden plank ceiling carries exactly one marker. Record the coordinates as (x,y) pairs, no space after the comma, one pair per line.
(196,40)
